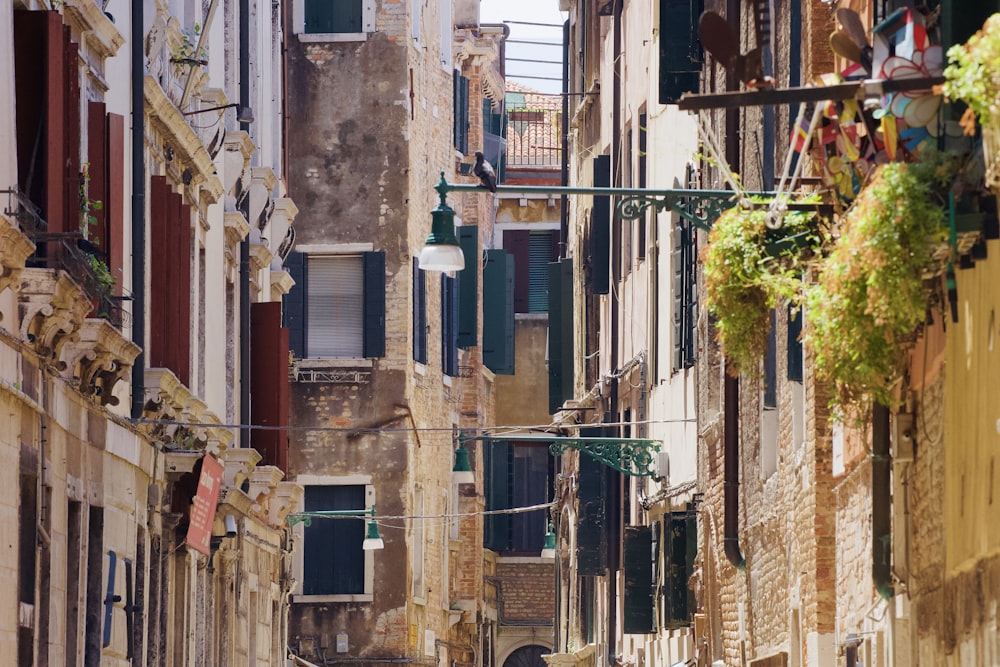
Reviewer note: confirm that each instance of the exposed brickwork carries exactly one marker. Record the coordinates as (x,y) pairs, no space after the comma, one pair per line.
(527,591)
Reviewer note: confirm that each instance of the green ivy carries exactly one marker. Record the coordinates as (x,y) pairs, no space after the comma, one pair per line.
(870,295)
(750,269)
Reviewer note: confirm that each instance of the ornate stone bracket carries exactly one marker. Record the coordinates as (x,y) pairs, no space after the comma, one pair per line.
(15,248)
(283,500)
(183,415)
(263,483)
(240,464)
(99,359)
(52,309)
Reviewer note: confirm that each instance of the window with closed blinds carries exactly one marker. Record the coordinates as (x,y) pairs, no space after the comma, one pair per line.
(335,307)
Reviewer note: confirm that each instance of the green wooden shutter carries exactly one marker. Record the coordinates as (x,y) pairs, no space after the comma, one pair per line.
(599,278)
(677,291)
(566,331)
(794,344)
(498,458)
(591,538)
(468,290)
(498,312)
(449,325)
(540,253)
(637,611)
(655,533)
(644,219)
(460,95)
(555,339)
(516,242)
(419,313)
(680,49)
(374,304)
(682,545)
(294,304)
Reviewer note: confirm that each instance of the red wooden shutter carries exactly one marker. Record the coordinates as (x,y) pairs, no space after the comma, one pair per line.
(97,156)
(71,136)
(114,205)
(269,387)
(55,123)
(159,272)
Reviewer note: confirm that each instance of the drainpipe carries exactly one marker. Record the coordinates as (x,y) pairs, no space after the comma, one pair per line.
(881,503)
(138,212)
(564,162)
(731,472)
(731,390)
(245,244)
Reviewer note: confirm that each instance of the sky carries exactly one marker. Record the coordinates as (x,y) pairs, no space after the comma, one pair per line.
(530,11)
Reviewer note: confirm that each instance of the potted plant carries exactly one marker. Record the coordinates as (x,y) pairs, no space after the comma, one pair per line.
(750,269)
(973,77)
(870,295)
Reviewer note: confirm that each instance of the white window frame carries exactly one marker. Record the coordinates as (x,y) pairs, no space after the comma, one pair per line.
(299,25)
(298,534)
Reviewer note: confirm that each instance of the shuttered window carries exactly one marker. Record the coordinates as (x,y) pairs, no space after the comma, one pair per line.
(684,258)
(517,475)
(591,535)
(498,312)
(419,313)
(335,307)
(449,325)
(680,49)
(560,342)
(333,560)
(599,274)
(460,92)
(533,250)
(468,288)
(637,612)
(334,16)
(680,545)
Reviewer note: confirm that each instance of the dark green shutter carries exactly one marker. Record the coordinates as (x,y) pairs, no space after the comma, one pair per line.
(498,312)
(682,545)
(374,304)
(449,325)
(680,49)
(419,313)
(294,304)
(516,242)
(677,291)
(591,538)
(497,455)
(794,344)
(468,278)
(655,533)
(637,612)
(325,16)
(644,218)
(555,339)
(599,278)
(566,331)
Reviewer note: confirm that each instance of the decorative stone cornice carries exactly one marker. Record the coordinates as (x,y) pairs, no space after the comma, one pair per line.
(240,463)
(237,150)
(281,283)
(90,21)
(167,119)
(184,415)
(263,483)
(99,359)
(260,254)
(15,248)
(52,308)
(262,184)
(583,658)
(284,498)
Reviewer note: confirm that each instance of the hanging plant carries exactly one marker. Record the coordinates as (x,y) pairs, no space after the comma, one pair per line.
(870,295)
(749,269)
(973,73)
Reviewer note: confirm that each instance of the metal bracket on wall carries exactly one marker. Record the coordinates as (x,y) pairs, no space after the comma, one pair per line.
(630,456)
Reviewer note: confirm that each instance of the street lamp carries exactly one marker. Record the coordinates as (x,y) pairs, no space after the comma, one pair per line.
(549,546)
(461,472)
(243,114)
(442,252)
(372,539)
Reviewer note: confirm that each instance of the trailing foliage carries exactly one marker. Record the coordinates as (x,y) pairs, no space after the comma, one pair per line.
(870,295)
(750,269)
(973,72)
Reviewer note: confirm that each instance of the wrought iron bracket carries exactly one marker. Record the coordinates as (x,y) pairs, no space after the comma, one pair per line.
(630,456)
(700,207)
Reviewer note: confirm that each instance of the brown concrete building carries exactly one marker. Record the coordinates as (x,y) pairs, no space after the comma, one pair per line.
(388,361)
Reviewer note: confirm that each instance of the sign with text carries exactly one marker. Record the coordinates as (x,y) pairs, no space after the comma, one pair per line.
(203,507)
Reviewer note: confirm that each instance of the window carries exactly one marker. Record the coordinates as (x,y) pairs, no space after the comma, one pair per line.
(339,20)
(685,288)
(331,563)
(419,313)
(460,97)
(517,475)
(449,325)
(533,251)
(336,310)
(680,49)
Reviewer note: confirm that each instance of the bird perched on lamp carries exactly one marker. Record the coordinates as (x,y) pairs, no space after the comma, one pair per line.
(484,170)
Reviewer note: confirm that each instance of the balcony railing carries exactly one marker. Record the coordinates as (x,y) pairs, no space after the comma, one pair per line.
(65,251)
(534,137)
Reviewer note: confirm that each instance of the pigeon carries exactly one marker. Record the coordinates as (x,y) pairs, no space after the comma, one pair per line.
(484,170)
(91,249)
